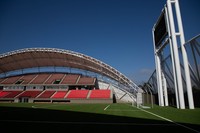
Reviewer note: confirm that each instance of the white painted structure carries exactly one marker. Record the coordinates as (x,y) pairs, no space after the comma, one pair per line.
(173,36)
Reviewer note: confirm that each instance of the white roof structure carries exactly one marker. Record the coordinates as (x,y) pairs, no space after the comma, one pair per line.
(45,57)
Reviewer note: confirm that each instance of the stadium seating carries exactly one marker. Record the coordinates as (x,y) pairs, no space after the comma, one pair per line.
(46,94)
(40,79)
(86,81)
(1,79)
(10,80)
(54,77)
(12,94)
(37,95)
(100,94)
(47,78)
(70,79)
(30,93)
(78,94)
(3,94)
(59,94)
(28,78)
(53,87)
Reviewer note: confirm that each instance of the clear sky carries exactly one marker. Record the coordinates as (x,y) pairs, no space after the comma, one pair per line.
(117,32)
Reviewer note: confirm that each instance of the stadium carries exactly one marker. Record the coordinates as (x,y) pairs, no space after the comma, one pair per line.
(45,89)
(54,90)
(58,75)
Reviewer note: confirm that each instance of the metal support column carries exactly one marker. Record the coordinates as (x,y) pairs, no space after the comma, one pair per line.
(159,80)
(185,58)
(172,60)
(165,89)
(175,53)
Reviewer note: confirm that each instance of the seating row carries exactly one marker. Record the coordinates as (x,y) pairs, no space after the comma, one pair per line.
(49,78)
(55,94)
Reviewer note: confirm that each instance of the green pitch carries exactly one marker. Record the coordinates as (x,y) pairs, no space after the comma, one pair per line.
(96,117)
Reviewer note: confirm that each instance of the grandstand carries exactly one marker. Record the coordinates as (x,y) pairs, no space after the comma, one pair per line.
(49,75)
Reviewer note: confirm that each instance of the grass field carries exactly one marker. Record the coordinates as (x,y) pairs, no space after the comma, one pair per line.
(32,117)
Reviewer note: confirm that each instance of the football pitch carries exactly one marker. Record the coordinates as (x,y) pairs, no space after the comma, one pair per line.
(103,118)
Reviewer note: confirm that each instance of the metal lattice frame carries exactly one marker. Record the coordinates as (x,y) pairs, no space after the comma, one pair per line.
(193,51)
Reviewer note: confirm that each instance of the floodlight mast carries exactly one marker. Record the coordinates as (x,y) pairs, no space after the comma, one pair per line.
(165,28)
(173,37)
(172,58)
(185,58)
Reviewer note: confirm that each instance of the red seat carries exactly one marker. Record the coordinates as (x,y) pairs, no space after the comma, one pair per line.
(78,94)
(12,94)
(59,94)
(101,94)
(3,93)
(30,93)
(47,94)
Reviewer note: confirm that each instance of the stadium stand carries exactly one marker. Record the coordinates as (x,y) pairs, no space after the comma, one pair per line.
(46,94)
(13,94)
(48,87)
(29,83)
(30,93)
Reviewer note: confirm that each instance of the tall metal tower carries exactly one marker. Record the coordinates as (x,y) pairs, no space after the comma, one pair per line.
(168,30)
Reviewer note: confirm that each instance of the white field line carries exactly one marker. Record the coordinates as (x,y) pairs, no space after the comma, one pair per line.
(119,110)
(106,107)
(122,110)
(169,120)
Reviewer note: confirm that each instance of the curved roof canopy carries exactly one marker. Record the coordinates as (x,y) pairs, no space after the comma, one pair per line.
(44,57)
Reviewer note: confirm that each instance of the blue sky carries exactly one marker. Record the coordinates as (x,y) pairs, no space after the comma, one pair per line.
(117,32)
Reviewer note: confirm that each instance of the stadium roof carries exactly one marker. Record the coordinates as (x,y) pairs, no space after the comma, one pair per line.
(44,57)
